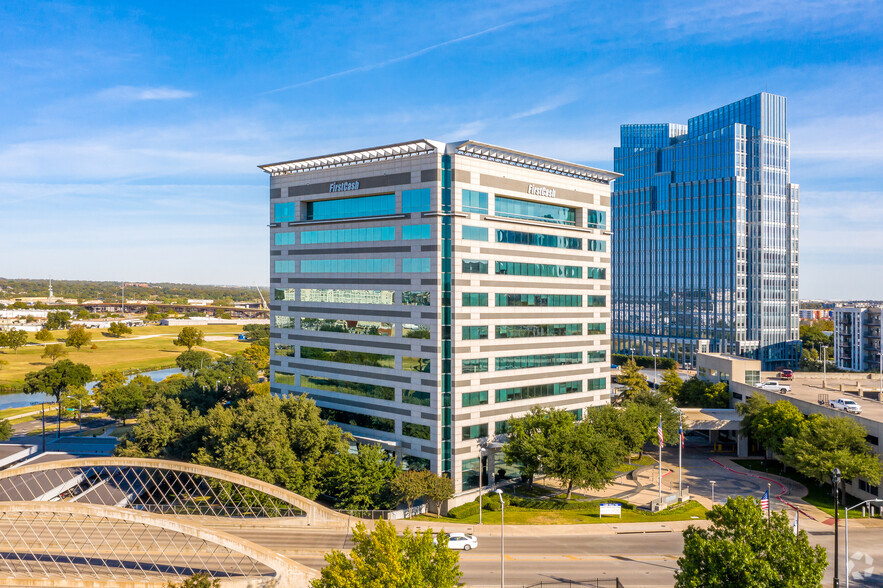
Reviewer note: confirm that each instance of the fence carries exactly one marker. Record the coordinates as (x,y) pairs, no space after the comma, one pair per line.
(597,583)
(390,515)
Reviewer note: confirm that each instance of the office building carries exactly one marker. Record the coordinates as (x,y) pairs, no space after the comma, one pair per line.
(426,292)
(705,223)
(858,338)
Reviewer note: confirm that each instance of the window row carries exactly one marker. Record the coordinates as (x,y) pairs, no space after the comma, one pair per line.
(353,266)
(543,270)
(381,360)
(519,362)
(478,332)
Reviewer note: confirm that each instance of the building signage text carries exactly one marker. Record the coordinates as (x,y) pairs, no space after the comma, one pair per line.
(343,186)
(541,191)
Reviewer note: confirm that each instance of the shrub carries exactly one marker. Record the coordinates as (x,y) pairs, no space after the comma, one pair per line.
(662,363)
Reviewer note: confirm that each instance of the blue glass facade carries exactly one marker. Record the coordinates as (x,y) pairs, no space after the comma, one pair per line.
(705,225)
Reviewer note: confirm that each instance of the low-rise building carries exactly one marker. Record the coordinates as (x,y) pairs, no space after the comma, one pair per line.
(858,338)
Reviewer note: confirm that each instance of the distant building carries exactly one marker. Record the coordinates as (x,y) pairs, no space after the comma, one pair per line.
(199,302)
(813,314)
(705,236)
(858,338)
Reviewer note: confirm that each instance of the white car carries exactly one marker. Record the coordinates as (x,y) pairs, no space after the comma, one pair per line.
(462,541)
(847,405)
(774,386)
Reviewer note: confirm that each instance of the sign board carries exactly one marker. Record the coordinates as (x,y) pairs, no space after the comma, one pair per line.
(610,508)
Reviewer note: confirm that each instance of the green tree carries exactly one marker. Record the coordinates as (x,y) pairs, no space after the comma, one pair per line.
(770,424)
(742,549)
(119,329)
(383,558)
(189,337)
(123,402)
(80,394)
(632,424)
(44,334)
(671,383)
(77,336)
(410,485)
(167,430)
(54,352)
(360,481)
(439,489)
(258,356)
(56,321)
(824,443)
(193,361)
(813,336)
(13,338)
(56,378)
(110,379)
(632,379)
(529,438)
(6,430)
(655,404)
(582,456)
(701,394)
(198,580)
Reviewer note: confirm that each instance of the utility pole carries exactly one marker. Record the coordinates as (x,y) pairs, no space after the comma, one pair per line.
(124,299)
(835,479)
(825,366)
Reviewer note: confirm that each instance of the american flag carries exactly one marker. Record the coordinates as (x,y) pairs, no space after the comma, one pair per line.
(765,501)
(659,433)
(681,433)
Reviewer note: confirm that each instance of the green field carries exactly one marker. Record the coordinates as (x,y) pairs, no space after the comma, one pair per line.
(126,353)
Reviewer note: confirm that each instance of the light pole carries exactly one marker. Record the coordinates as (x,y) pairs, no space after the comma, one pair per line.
(846,530)
(502,550)
(655,378)
(79,414)
(712,493)
(835,480)
(824,366)
(481,453)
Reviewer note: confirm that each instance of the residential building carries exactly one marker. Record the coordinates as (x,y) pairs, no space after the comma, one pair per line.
(858,338)
(705,227)
(424,292)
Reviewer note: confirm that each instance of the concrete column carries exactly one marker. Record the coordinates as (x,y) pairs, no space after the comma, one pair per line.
(741,446)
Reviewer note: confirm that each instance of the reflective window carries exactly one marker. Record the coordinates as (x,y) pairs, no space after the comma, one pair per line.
(416,232)
(355,419)
(416,397)
(285,378)
(474,266)
(543,270)
(597,383)
(350,207)
(415,430)
(538,240)
(284,266)
(557,330)
(352,327)
(414,298)
(474,299)
(471,474)
(416,264)
(596,356)
(475,201)
(595,245)
(474,233)
(474,432)
(501,427)
(416,200)
(284,350)
(538,391)
(550,213)
(596,219)
(474,366)
(347,296)
(596,328)
(474,332)
(285,238)
(474,398)
(520,362)
(284,322)
(345,387)
(353,357)
(592,300)
(539,300)
(284,293)
(283,212)
(596,273)
(416,364)
(347,266)
(412,331)
(348,235)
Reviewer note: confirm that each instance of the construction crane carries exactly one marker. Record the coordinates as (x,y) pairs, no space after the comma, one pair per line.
(263,302)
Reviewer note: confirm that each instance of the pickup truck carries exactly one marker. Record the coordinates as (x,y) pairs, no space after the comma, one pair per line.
(774,386)
(846,404)
(786,375)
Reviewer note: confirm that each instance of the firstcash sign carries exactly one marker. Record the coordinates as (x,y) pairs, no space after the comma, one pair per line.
(541,191)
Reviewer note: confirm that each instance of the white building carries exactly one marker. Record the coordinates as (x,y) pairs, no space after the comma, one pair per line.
(858,338)
(426,292)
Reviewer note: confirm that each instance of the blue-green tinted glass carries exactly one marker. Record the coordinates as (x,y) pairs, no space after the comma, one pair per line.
(596,273)
(474,233)
(474,366)
(474,432)
(538,240)
(474,332)
(474,299)
(596,219)
(539,300)
(475,201)
(474,398)
(347,266)
(596,356)
(513,208)
(596,329)
(520,362)
(283,212)
(285,238)
(597,384)
(348,235)
(557,330)
(416,264)
(284,266)
(350,207)
(594,245)
(543,270)
(416,200)
(596,300)
(416,231)
(539,391)
(474,266)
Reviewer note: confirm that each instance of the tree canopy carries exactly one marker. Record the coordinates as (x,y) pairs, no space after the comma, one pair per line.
(55,378)
(741,548)
(13,338)
(360,481)
(119,329)
(632,379)
(123,402)
(54,352)
(701,394)
(192,361)
(189,337)
(824,443)
(77,336)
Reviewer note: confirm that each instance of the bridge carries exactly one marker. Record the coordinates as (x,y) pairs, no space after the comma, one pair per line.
(131,521)
(233,311)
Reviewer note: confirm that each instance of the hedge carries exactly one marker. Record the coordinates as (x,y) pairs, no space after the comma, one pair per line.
(662,363)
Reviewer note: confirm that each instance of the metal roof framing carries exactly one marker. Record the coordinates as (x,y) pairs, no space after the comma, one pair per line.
(387,152)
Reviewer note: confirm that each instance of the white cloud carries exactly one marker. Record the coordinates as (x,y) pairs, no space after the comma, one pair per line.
(144,93)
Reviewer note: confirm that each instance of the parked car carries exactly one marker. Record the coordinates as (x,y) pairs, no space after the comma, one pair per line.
(786,375)
(462,541)
(774,386)
(846,404)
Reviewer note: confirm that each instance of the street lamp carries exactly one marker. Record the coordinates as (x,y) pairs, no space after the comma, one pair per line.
(481,453)
(502,551)
(79,414)
(824,366)
(655,376)
(835,479)
(846,529)
(712,493)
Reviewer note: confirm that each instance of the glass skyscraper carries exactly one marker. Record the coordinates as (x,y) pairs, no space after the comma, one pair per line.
(705,229)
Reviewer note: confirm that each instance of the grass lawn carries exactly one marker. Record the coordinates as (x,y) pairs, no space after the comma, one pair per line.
(819,495)
(11,412)
(124,353)
(644,460)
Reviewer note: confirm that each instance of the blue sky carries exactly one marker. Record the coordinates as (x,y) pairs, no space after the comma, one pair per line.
(131,132)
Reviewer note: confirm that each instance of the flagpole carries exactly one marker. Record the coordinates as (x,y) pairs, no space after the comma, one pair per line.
(769,505)
(680,455)
(660,461)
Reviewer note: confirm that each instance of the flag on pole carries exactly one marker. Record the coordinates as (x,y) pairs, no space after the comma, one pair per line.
(765,501)
(659,433)
(681,432)
(796,523)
